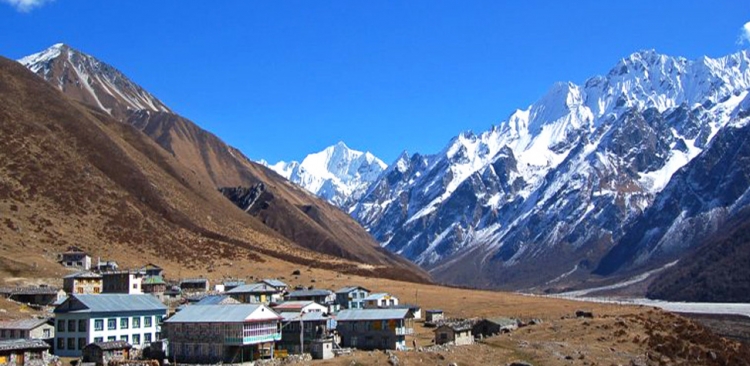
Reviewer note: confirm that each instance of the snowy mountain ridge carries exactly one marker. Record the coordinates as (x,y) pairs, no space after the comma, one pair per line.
(559,179)
(337,174)
(91,81)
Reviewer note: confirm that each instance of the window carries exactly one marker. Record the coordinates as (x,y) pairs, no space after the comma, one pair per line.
(124,323)
(71,325)
(136,339)
(124,337)
(82,325)
(112,324)
(47,333)
(98,324)
(71,343)
(61,325)
(98,339)
(97,290)
(81,343)
(147,338)
(136,322)
(147,320)
(61,343)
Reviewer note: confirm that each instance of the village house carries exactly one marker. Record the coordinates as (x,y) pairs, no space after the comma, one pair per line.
(76,258)
(230,285)
(84,319)
(24,352)
(222,333)
(457,333)
(85,282)
(375,328)
(380,300)
(155,286)
(255,293)
(303,327)
(101,353)
(152,270)
(493,326)
(280,286)
(42,295)
(123,282)
(105,266)
(433,316)
(300,307)
(323,297)
(194,285)
(352,297)
(416,310)
(27,328)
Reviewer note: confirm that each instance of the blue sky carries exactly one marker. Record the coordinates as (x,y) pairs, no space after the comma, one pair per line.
(281,79)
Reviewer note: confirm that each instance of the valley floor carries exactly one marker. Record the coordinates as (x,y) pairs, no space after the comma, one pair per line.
(618,334)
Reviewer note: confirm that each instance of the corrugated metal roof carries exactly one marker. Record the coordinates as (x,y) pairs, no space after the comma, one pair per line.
(293,304)
(372,314)
(154,280)
(105,303)
(25,324)
(252,288)
(306,293)
(20,344)
(275,282)
(306,317)
(35,291)
(216,313)
(234,283)
(217,300)
(194,280)
(84,274)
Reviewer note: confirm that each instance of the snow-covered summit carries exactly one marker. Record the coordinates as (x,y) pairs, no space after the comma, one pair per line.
(559,177)
(338,174)
(96,83)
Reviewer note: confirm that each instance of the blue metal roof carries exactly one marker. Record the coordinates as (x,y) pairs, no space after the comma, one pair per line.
(372,314)
(275,283)
(216,300)
(307,293)
(253,288)
(217,313)
(107,303)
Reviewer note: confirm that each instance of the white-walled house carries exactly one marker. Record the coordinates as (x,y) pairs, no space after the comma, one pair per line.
(84,319)
(380,300)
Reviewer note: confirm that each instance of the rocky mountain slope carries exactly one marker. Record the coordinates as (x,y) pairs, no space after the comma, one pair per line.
(337,174)
(293,213)
(537,201)
(87,79)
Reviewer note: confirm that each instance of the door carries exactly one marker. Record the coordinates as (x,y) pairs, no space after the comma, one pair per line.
(19,359)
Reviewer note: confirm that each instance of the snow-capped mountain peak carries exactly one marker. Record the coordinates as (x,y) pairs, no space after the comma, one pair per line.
(559,178)
(338,174)
(87,79)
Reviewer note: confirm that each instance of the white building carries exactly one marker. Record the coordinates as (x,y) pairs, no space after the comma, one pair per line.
(83,319)
(381,300)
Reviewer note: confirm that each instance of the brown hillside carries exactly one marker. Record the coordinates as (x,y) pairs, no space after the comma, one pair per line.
(74,176)
(291,211)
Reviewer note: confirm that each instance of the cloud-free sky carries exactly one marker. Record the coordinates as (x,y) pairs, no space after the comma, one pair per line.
(281,79)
